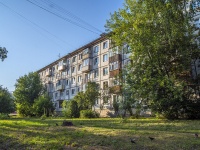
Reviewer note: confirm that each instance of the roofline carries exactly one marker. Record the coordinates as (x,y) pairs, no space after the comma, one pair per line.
(100,39)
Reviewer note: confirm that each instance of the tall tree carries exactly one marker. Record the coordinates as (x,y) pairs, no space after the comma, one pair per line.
(162,44)
(3,53)
(6,101)
(27,89)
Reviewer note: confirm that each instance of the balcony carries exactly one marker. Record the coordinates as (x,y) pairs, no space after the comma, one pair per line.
(115,58)
(116,89)
(48,73)
(114,73)
(62,67)
(86,68)
(85,56)
(60,87)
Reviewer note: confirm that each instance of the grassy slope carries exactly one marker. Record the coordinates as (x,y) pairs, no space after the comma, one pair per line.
(99,134)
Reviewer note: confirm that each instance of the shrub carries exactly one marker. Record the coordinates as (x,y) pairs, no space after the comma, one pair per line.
(4,116)
(89,114)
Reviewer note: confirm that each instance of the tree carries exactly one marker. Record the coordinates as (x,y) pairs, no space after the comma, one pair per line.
(27,89)
(43,105)
(70,109)
(92,93)
(162,45)
(6,101)
(3,53)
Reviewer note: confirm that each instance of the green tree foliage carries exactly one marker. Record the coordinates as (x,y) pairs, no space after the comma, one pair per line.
(27,89)
(162,46)
(92,93)
(43,106)
(3,53)
(70,109)
(6,101)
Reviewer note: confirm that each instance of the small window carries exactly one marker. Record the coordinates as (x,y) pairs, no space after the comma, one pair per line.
(105,57)
(96,61)
(67,92)
(73,91)
(79,78)
(96,73)
(80,56)
(73,69)
(79,67)
(73,80)
(78,89)
(105,71)
(105,45)
(74,59)
(85,62)
(60,104)
(67,82)
(96,49)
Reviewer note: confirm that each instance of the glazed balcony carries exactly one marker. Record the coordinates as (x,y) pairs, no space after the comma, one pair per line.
(115,58)
(48,73)
(86,68)
(62,67)
(114,73)
(85,56)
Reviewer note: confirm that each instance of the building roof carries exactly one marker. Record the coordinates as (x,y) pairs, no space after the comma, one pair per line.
(94,42)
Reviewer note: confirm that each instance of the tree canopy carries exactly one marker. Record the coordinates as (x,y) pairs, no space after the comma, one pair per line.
(27,89)
(162,45)
(6,101)
(3,53)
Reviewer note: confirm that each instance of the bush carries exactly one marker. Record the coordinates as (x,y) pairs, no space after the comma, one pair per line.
(4,116)
(89,114)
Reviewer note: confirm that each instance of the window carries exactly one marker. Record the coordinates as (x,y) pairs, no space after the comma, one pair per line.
(197,23)
(78,89)
(96,61)
(73,80)
(96,73)
(105,71)
(105,57)
(96,49)
(56,95)
(106,100)
(79,78)
(105,45)
(97,101)
(79,67)
(67,92)
(85,51)
(67,82)
(85,62)
(105,85)
(80,56)
(60,104)
(114,66)
(74,59)
(73,91)
(73,69)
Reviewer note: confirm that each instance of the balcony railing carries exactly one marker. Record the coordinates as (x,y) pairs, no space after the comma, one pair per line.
(85,56)
(48,73)
(117,57)
(86,68)
(60,87)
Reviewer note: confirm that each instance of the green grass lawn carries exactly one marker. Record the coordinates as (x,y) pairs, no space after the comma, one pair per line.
(98,134)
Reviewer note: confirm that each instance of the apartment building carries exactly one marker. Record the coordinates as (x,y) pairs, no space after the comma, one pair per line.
(95,61)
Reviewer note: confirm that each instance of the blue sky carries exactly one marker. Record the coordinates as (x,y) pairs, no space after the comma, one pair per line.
(34,37)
